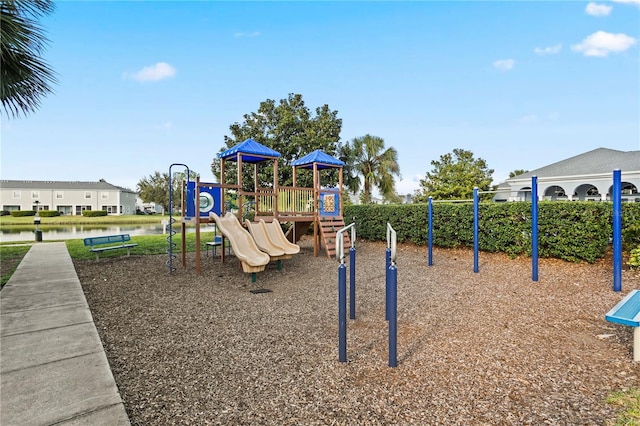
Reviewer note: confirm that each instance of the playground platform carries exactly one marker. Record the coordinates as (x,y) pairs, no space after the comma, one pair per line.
(53,368)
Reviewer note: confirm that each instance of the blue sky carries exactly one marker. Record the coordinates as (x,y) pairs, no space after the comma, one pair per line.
(143,85)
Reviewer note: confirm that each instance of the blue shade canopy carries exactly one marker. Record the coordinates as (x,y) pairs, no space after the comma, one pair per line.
(318,156)
(250,151)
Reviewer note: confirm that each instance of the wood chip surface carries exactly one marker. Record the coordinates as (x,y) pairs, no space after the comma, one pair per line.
(492,348)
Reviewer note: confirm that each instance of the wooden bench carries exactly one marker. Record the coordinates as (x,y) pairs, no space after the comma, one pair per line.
(120,241)
(627,312)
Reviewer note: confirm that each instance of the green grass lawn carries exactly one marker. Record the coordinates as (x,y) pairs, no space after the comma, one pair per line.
(10,257)
(147,245)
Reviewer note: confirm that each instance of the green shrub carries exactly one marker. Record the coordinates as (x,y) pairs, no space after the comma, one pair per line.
(4,212)
(634,258)
(94,213)
(631,235)
(575,231)
(49,213)
(23,213)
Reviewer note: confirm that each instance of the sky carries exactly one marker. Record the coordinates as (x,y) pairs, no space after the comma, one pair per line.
(143,85)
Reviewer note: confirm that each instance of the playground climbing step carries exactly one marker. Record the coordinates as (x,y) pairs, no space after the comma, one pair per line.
(328,228)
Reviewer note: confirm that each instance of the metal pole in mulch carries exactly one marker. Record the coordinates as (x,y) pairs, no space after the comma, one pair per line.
(392,297)
(342,289)
(617,230)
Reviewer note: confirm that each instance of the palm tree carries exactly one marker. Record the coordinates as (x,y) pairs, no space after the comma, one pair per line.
(376,165)
(25,77)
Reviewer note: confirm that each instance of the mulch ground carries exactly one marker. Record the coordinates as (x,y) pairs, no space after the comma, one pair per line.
(480,349)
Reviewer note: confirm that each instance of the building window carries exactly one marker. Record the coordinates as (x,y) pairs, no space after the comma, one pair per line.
(11,208)
(80,209)
(110,209)
(40,207)
(65,210)
(59,195)
(104,195)
(16,194)
(87,195)
(35,194)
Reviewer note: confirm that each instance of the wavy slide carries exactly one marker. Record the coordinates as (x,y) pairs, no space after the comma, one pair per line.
(245,248)
(277,236)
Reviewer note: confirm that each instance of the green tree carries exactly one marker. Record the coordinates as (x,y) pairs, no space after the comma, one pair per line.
(155,188)
(290,128)
(376,165)
(517,172)
(454,176)
(25,77)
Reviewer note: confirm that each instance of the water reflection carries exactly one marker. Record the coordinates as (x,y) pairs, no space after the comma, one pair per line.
(62,232)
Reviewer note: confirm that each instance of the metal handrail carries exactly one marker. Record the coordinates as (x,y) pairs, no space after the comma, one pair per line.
(391,242)
(340,241)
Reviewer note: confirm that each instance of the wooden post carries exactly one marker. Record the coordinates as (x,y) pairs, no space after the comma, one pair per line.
(275,188)
(316,213)
(239,179)
(340,189)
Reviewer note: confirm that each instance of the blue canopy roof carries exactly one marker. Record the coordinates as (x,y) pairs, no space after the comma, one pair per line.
(317,156)
(250,151)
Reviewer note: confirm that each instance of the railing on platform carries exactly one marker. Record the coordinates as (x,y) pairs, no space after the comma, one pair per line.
(293,200)
(290,201)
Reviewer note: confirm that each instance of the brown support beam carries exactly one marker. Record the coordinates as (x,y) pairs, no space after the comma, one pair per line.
(239,179)
(316,214)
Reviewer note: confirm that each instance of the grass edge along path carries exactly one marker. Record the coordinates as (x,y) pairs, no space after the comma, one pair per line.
(628,402)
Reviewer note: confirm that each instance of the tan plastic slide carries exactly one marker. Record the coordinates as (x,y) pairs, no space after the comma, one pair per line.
(277,236)
(264,242)
(244,247)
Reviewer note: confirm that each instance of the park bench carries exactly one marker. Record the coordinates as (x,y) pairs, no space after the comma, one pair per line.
(627,312)
(119,242)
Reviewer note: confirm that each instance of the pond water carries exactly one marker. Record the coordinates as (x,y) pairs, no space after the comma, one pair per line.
(49,233)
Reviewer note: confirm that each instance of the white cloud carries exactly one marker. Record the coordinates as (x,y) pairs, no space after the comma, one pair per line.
(243,34)
(602,43)
(595,9)
(504,64)
(549,50)
(530,118)
(167,125)
(627,1)
(156,72)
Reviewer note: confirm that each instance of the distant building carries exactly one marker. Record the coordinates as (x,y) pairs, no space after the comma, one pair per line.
(149,208)
(69,198)
(585,177)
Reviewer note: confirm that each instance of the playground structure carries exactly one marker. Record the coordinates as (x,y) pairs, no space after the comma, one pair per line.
(300,206)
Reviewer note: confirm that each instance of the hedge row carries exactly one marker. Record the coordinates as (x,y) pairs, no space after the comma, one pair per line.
(42,213)
(94,213)
(575,231)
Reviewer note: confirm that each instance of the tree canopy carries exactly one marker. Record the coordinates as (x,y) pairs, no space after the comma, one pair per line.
(290,128)
(367,157)
(155,188)
(454,176)
(517,172)
(24,77)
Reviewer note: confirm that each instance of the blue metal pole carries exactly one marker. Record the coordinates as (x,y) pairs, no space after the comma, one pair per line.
(534,228)
(617,230)
(342,313)
(475,230)
(352,283)
(386,285)
(393,316)
(430,231)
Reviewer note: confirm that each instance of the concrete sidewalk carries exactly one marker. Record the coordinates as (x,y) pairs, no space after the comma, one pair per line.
(53,368)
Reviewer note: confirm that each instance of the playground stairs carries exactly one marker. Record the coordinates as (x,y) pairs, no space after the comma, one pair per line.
(328,228)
